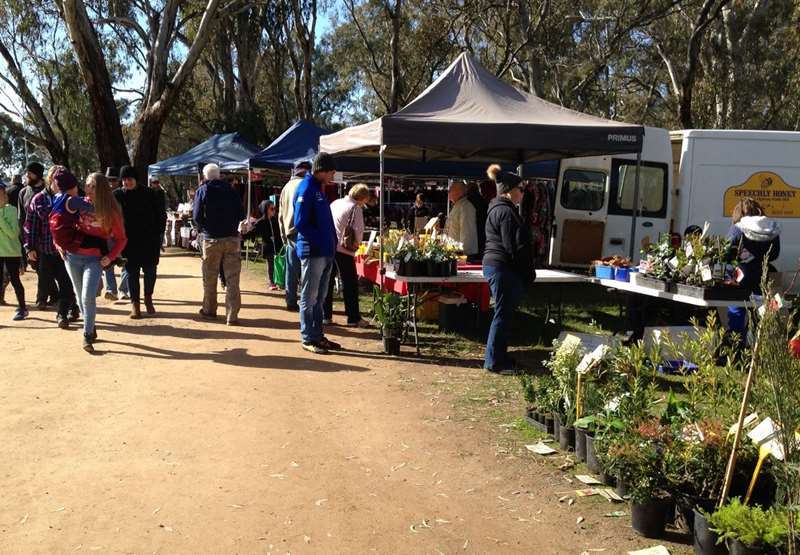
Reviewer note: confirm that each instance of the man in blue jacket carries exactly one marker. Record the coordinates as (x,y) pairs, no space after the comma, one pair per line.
(316,246)
(217,212)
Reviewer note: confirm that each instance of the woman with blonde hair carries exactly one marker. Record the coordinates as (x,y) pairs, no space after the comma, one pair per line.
(348,218)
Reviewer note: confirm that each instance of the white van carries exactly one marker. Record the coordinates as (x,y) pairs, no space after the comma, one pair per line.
(687,177)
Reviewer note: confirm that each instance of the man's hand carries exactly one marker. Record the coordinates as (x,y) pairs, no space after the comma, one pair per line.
(32,256)
(105,262)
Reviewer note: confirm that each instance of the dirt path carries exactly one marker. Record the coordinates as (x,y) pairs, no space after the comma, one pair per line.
(182,436)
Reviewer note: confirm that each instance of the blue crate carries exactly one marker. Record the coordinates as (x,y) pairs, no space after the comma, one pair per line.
(603,272)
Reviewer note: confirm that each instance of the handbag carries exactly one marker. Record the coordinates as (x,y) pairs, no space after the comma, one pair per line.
(349,240)
(279,270)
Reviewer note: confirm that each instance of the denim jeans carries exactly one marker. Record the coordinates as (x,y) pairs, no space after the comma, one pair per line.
(292,274)
(314,276)
(110,279)
(123,282)
(507,289)
(84,272)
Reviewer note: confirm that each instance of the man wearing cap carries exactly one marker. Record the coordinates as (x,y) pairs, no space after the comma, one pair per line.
(316,246)
(42,253)
(217,212)
(289,233)
(144,224)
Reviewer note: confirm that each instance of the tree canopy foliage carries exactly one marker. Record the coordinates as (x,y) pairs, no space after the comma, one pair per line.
(101,82)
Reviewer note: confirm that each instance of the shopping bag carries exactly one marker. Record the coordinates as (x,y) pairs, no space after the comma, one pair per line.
(279,273)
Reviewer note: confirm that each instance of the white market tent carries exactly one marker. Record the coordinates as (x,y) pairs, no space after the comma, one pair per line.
(468,114)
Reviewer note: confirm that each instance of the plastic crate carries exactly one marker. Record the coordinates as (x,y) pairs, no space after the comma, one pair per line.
(603,272)
(622,274)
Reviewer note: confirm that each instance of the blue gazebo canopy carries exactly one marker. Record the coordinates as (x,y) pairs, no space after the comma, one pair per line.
(299,142)
(219,149)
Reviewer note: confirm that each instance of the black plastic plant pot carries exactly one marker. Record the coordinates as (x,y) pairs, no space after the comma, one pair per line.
(580,444)
(608,479)
(549,423)
(540,417)
(704,539)
(622,487)
(650,518)
(432,268)
(591,455)
(556,427)
(566,438)
(391,345)
(735,547)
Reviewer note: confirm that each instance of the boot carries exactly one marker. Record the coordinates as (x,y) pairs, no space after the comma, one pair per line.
(136,312)
(148,304)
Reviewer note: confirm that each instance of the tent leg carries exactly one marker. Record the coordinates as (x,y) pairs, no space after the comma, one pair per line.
(382,270)
(635,209)
(247,215)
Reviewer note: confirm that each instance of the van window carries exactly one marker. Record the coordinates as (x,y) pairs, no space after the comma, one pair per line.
(583,190)
(652,188)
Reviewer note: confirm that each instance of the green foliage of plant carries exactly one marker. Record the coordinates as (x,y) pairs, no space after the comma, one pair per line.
(753,526)
(391,310)
(563,363)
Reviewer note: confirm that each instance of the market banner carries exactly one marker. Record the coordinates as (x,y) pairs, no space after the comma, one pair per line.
(778,198)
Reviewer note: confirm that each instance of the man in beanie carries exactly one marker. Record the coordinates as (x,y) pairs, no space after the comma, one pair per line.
(507,265)
(217,211)
(289,233)
(42,254)
(33,174)
(316,247)
(145,220)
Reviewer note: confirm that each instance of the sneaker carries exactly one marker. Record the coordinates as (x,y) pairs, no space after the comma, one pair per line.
(273,287)
(87,344)
(328,321)
(360,324)
(109,296)
(315,348)
(20,314)
(62,322)
(74,314)
(293,309)
(233,322)
(330,345)
(504,371)
(206,316)
(125,296)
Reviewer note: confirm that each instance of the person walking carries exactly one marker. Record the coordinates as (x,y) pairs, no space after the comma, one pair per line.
(267,227)
(114,291)
(755,242)
(507,265)
(10,249)
(72,216)
(145,221)
(218,211)
(289,233)
(348,219)
(43,256)
(316,246)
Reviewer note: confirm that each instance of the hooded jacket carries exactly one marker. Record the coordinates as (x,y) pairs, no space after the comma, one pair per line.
(752,239)
(316,233)
(508,240)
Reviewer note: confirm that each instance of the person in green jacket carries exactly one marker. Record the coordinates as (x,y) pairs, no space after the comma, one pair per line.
(10,250)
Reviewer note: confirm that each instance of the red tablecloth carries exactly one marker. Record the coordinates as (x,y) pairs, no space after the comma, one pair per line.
(476,293)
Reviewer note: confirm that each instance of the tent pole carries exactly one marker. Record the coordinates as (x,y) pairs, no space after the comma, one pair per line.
(635,204)
(247,216)
(382,270)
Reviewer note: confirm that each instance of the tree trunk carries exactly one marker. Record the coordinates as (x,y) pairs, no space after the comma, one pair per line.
(394,44)
(111,149)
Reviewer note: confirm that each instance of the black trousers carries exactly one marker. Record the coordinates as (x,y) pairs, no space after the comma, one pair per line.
(345,266)
(149,272)
(11,265)
(54,282)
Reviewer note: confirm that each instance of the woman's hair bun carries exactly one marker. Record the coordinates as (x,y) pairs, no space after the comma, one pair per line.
(493,172)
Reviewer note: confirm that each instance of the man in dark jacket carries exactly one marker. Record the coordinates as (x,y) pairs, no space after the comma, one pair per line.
(144,225)
(217,212)
(316,246)
(507,265)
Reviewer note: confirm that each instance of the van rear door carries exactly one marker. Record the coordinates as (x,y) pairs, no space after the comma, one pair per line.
(580,213)
(652,218)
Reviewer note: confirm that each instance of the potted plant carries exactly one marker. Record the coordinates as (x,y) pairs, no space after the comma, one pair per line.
(563,364)
(650,504)
(750,530)
(391,312)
